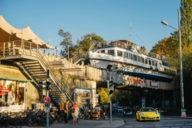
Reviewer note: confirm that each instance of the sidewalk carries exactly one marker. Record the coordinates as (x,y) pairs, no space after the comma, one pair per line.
(117,122)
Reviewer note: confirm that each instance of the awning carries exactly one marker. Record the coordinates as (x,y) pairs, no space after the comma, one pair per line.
(10,33)
(11,73)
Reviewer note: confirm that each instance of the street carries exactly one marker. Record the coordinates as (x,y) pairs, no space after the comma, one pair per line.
(128,122)
(166,122)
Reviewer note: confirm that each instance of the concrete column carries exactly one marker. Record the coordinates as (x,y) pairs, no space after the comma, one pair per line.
(93,93)
(143,102)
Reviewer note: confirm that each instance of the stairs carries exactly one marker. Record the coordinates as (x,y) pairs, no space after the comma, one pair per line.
(35,65)
(37,69)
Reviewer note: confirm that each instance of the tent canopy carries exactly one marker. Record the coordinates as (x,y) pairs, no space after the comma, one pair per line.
(10,33)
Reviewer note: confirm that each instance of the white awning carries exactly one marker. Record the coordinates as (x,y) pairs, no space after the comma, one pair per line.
(10,33)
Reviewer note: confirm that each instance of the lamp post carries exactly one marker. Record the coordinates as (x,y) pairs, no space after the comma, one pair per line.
(183,111)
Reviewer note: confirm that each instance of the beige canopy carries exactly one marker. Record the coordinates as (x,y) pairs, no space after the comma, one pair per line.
(10,33)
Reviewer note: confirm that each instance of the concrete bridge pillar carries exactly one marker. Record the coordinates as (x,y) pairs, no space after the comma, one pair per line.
(93,93)
(143,101)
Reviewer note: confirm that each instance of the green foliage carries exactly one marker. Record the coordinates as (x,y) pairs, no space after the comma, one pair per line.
(186,21)
(187,57)
(89,39)
(84,45)
(104,95)
(66,42)
(123,97)
(169,47)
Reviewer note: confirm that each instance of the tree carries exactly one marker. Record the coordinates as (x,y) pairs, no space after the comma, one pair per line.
(66,42)
(166,48)
(85,44)
(122,97)
(186,21)
(89,40)
(104,95)
(170,48)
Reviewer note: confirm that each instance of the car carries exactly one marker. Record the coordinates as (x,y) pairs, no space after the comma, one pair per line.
(147,113)
(119,109)
(127,112)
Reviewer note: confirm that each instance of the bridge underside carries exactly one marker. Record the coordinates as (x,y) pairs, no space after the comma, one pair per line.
(141,80)
(148,76)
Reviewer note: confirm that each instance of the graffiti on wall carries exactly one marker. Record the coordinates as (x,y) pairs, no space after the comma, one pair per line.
(130,80)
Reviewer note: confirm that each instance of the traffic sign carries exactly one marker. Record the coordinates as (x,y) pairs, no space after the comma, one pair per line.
(47,100)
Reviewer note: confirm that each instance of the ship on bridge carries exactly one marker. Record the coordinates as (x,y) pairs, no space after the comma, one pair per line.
(132,65)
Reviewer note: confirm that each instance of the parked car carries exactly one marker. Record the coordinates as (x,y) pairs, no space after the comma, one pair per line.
(127,112)
(120,109)
(147,113)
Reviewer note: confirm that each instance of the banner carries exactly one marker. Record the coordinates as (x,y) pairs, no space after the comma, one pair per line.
(3,90)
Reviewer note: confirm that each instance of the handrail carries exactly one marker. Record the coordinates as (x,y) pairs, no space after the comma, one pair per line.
(17,48)
(55,80)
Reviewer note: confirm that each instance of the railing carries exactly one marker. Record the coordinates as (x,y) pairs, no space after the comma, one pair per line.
(10,48)
(21,47)
(51,72)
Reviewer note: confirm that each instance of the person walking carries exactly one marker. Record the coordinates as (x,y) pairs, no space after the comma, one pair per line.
(75,113)
(66,112)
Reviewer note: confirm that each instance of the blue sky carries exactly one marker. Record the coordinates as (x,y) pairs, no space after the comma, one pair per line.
(134,20)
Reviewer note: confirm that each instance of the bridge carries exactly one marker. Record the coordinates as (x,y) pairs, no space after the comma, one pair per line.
(34,64)
(29,56)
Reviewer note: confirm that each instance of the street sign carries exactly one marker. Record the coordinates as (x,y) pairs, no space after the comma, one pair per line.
(47,100)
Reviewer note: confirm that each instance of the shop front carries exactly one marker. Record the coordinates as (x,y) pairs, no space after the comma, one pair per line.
(14,94)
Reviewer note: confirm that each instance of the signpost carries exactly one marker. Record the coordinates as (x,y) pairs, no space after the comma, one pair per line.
(47,99)
(111,89)
(110,86)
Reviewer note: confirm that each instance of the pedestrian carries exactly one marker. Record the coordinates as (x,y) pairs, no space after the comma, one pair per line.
(61,112)
(75,113)
(66,111)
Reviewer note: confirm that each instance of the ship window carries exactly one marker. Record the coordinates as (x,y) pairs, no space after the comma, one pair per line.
(149,62)
(138,58)
(146,61)
(102,51)
(135,57)
(155,63)
(126,54)
(131,56)
(119,53)
(111,52)
(142,59)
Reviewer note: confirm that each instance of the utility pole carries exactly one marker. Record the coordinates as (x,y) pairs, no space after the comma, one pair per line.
(183,110)
(110,86)
(110,105)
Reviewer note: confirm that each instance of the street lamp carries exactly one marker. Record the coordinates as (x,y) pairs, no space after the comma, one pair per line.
(183,111)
